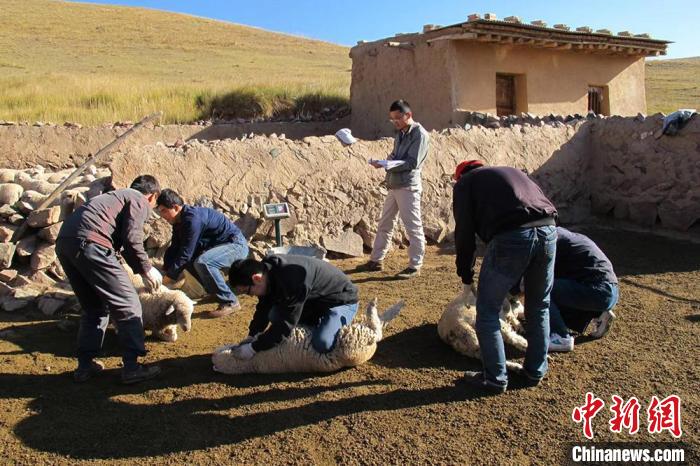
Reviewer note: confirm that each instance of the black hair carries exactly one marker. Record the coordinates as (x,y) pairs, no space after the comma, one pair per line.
(146,184)
(400,106)
(242,271)
(169,199)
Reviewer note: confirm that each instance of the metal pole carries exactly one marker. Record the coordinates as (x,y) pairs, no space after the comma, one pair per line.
(278,232)
(20,231)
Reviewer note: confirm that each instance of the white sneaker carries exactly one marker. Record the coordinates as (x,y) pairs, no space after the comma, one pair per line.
(601,325)
(561,344)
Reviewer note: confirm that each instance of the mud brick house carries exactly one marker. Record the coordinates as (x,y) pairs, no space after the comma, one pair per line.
(499,67)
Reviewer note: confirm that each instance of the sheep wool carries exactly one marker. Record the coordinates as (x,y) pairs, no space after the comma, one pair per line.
(355,344)
(163,310)
(457,326)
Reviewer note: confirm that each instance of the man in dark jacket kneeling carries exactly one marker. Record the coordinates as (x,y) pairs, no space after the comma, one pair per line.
(293,290)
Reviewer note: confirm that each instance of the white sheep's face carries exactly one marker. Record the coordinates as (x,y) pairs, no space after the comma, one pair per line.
(184,315)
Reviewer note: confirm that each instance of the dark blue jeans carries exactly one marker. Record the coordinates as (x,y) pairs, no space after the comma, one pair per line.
(574,304)
(207,268)
(324,332)
(527,253)
(323,337)
(103,289)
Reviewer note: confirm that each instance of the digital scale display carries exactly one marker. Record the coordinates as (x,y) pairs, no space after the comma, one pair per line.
(278,210)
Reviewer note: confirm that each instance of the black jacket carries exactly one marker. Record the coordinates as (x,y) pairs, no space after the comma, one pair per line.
(302,289)
(491,200)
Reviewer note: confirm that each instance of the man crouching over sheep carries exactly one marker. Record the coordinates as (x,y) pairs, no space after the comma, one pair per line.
(204,241)
(86,247)
(293,290)
(509,212)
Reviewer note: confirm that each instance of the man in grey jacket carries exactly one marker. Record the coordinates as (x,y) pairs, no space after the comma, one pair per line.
(86,247)
(405,188)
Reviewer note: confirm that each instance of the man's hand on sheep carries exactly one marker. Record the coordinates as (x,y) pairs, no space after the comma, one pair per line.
(243,351)
(248,339)
(469,290)
(152,279)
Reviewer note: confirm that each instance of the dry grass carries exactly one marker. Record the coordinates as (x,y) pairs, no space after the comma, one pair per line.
(91,64)
(673,84)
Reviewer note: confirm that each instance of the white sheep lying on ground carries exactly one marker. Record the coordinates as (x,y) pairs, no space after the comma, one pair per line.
(456,326)
(163,310)
(355,344)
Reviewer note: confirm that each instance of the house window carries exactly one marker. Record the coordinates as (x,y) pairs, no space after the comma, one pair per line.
(511,94)
(598,100)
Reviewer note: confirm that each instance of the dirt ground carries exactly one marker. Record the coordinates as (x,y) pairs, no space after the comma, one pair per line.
(401,407)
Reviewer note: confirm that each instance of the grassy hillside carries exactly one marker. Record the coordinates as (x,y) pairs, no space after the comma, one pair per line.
(91,63)
(673,84)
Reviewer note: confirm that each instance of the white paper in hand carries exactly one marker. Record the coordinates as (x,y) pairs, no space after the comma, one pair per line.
(387,164)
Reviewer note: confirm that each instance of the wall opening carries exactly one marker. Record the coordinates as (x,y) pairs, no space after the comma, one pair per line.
(598,101)
(511,94)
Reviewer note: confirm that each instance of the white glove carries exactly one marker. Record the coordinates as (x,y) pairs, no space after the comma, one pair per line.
(469,290)
(469,294)
(152,279)
(248,339)
(243,352)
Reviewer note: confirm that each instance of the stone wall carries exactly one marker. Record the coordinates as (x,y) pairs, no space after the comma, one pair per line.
(61,146)
(636,177)
(335,195)
(614,167)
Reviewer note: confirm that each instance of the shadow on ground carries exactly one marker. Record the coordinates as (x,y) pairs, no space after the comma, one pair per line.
(93,421)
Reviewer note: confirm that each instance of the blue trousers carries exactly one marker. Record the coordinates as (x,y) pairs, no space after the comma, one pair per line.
(574,303)
(325,331)
(527,253)
(207,268)
(323,336)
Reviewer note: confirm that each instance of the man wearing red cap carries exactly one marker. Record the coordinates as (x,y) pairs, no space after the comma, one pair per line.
(509,212)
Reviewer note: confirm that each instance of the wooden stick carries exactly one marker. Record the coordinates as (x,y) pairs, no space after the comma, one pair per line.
(106,149)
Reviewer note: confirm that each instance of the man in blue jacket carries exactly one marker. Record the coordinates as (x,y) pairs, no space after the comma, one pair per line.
(204,242)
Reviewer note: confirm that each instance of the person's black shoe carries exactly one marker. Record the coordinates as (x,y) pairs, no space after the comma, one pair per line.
(525,380)
(475,379)
(83,374)
(140,374)
(370,266)
(408,272)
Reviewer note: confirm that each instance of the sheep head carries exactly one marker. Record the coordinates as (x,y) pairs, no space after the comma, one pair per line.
(182,309)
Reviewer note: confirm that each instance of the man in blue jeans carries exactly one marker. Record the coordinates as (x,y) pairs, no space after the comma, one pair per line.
(510,213)
(293,290)
(204,242)
(585,290)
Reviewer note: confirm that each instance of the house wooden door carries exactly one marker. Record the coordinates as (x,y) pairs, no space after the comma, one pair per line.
(505,95)
(595,99)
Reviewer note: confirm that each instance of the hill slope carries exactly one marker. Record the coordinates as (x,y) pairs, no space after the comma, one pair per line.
(94,63)
(673,84)
(91,64)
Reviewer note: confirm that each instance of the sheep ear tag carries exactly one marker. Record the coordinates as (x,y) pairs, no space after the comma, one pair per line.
(170,310)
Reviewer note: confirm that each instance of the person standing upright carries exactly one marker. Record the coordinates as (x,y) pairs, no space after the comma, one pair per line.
(404,182)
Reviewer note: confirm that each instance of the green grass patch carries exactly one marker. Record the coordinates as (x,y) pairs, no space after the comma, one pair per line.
(93,64)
